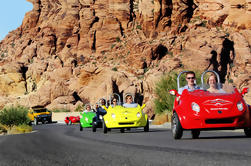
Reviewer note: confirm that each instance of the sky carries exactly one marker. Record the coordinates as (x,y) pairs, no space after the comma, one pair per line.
(11,15)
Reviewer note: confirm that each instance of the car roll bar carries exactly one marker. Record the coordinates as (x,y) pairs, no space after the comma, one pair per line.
(127,94)
(113,95)
(217,75)
(99,103)
(178,78)
(202,76)
(92,107)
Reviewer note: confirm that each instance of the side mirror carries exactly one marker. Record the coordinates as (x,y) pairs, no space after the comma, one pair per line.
(143,106)
(173,92)
(244,91)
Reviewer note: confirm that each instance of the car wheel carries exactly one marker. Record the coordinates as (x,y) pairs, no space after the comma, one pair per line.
(195,134)
(176,127)
(104,127)
(94,128)
(122,130)
(70,122)
(146,128)
(35,121)
(50,120)
(247,132)
(80,128)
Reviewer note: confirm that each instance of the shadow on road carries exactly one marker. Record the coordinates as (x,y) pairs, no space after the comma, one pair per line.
(224,137)
(217,137)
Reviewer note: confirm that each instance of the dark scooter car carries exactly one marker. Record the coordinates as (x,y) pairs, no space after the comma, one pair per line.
(97,121)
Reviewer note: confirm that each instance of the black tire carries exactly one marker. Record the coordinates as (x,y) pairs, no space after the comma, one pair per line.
(49,120)
(104,128)
(176,127)
(109,129)
(94,129)
(195,134)
(146,128)
(35,121)
(122,130)
(247,132)
(80,127)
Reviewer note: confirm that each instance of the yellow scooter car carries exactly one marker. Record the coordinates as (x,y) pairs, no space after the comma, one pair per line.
(120,117)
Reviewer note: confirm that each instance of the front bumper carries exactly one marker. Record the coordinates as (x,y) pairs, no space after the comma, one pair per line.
(239,120)
(43,118)
(133,123)
(85,123)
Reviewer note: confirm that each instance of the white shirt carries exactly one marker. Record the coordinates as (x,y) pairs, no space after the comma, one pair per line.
(187,87)
(132,105)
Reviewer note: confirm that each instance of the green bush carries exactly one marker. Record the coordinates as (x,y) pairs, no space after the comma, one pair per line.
(164,100)
(60,110)
(114,69)
(79,108)
(3,129)
(24,128)
(14,116)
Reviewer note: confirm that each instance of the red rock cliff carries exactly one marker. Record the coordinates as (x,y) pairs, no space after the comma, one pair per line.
(69,52)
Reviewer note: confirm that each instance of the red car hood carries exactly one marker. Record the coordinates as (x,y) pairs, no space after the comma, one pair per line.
(214,101)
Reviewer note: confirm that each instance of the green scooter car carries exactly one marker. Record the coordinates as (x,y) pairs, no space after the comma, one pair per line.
(86,117)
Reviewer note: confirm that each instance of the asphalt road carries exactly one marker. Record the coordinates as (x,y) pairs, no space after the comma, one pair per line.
(55,144)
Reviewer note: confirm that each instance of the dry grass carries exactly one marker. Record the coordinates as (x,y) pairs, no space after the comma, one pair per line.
(3,129)
(15,129)
(160,119)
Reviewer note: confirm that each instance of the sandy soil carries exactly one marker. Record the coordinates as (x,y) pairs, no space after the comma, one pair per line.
(60,116)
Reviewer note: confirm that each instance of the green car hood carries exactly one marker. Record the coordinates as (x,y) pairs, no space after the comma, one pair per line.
(86,120)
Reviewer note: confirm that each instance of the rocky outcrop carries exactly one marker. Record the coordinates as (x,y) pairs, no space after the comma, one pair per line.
(70,52)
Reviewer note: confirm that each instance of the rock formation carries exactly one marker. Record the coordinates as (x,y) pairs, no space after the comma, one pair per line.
(70,52)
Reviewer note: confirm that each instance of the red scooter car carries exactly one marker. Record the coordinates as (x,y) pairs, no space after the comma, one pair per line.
(201,110)
(72,119)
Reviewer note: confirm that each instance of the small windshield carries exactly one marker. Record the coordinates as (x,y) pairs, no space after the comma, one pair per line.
(40,110)
(218,88)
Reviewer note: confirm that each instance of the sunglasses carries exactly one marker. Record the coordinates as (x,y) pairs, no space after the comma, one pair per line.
(114,101)
(189,78)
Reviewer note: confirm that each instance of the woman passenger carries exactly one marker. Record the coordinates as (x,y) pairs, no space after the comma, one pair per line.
(213,86)
(129,102)
(114,102)
(88,109)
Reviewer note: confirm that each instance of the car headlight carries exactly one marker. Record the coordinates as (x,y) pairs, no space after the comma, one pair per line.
(240,106)
(86,119)
(195,107)
(138,115)
(113,115)
(100,117)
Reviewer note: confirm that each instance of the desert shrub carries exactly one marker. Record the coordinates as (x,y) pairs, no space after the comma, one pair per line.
(14,116)
(23,128)
(3,129)
(60,110)
(164,100)
(79,108)
(114,69)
